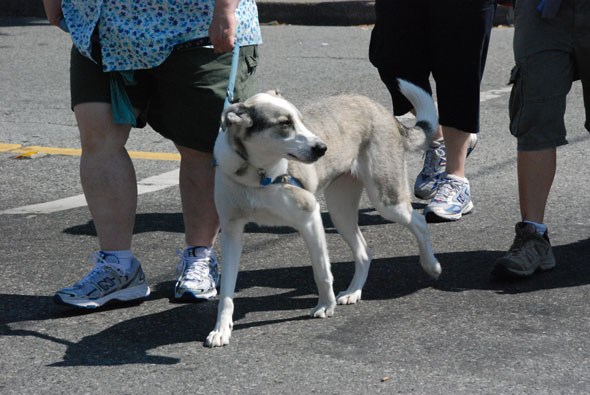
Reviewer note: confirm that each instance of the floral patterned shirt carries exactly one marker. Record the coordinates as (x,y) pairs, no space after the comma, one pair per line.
(140,34)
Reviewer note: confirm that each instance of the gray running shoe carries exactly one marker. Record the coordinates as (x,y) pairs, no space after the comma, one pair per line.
(435,162)
(198,275)
(106,282)
(529,252)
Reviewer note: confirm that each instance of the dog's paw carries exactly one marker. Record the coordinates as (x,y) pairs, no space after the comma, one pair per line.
(218,338)
(433,269)
(346,297)
(323,310)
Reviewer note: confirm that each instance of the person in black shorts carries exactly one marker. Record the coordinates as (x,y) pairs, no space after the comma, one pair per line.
(448,40)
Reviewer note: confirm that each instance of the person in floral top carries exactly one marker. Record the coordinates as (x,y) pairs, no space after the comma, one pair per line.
(165,63)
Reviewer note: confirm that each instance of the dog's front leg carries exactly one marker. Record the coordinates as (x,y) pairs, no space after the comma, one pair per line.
(315,238)
(231,251)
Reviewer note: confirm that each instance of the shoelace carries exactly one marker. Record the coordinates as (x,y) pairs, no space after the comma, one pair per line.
(99,267)
(193,270)
(516,246)
(447,188)
(518,243)
(432,158)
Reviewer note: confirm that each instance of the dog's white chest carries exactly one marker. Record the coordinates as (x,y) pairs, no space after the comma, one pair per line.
(273,205)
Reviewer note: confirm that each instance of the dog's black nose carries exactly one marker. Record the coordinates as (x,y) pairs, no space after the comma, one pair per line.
(319,149)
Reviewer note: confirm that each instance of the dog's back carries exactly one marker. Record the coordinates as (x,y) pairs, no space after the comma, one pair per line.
(355,127)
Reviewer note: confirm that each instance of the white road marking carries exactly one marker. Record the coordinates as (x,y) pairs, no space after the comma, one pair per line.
(169,179)
(147,185)
(494,93)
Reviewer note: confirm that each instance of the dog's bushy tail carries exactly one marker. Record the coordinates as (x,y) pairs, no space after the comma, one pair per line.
(419,136)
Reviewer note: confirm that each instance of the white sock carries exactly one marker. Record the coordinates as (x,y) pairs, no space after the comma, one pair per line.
(541,228)
(454,177)
(436,143)
(204,250)
(124,256)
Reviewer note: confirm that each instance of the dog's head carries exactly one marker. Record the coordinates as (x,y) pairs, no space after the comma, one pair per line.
(267,127)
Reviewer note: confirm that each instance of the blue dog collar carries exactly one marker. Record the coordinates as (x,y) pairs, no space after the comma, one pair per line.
(282,179)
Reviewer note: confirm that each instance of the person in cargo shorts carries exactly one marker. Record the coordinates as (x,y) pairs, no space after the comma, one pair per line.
(551,50)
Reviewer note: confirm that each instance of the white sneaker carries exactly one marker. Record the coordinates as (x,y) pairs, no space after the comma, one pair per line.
(107,281)
(451,201)
(435,162)
(198,272)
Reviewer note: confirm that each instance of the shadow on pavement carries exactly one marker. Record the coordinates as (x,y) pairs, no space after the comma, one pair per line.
(173,222)
(291,289)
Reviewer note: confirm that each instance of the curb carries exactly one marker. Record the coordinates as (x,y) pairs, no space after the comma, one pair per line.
(293,12)
(30,8)
(319,13)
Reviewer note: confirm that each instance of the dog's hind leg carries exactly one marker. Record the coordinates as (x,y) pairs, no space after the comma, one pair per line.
(342,199)
(404,214)
(387,188)
(311,229)
(231,250)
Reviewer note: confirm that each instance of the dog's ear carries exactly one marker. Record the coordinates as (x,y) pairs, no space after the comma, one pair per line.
(274,92)
(236,114)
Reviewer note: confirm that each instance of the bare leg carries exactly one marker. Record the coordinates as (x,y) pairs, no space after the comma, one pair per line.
(457,143)
(536,170)
(196,191)
(107,175)
(438,134)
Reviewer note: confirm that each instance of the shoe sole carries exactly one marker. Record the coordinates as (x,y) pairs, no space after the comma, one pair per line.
(136,293)
(501,271)
(433,217)
(188,296)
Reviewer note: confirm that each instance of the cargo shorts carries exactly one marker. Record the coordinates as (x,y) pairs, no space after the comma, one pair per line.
(550,54)
(182,99)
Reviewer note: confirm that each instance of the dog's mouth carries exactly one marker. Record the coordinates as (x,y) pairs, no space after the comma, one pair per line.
(299,159)
(308,159)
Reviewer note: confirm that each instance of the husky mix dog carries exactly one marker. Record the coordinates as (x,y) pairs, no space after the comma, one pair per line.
(272,159)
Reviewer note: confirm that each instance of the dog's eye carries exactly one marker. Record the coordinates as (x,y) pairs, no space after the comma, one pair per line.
(285,122)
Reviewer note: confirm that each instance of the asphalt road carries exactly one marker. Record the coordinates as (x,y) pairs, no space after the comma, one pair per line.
(459,335)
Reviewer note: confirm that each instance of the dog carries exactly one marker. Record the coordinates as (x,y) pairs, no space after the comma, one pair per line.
(273,159)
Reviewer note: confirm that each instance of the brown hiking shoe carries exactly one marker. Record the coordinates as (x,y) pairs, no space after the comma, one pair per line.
(529,252)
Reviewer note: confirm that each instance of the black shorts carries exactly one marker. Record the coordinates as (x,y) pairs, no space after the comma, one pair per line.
(181,99)
(413,39)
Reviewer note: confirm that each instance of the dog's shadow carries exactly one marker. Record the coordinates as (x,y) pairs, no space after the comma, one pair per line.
(292,289)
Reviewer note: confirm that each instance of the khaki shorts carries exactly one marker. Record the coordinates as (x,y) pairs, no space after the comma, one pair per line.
(181,99)
(549,54)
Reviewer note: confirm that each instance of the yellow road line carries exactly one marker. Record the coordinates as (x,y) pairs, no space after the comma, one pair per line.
(18,149)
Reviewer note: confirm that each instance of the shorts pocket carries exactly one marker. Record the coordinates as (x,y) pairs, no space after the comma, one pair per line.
(516,101)
(245,81)
(251,59)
